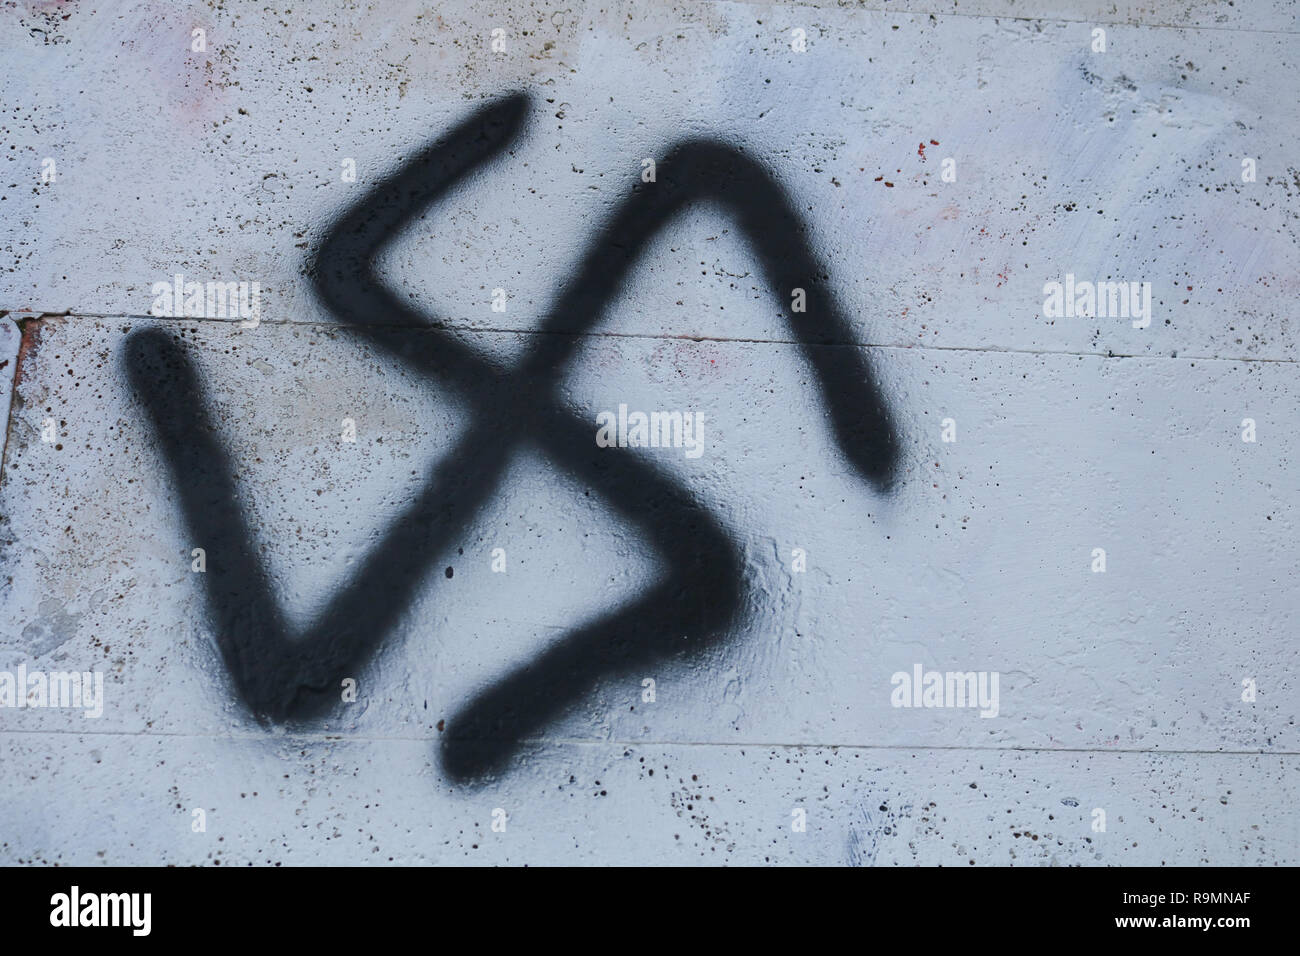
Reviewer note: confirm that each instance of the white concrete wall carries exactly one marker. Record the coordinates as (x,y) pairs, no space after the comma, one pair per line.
(1119,691)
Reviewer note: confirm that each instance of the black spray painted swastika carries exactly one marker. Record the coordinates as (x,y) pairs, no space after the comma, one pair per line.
(286,676)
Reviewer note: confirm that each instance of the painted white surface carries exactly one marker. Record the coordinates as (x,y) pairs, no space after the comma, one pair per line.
(1119,691)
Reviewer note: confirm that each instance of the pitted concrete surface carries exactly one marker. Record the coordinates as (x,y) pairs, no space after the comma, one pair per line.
(1160,693)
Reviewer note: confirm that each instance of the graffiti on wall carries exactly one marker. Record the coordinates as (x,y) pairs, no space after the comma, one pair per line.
(283,676)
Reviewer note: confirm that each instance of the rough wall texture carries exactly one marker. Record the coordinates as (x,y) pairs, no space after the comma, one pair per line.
(392,643)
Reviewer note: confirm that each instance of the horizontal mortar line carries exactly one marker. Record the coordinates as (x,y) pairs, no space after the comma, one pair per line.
(489,330)
(595,742)
(924,747)
(831,5)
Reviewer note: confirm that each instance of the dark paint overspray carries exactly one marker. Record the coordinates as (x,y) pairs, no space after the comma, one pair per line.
(283,676)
